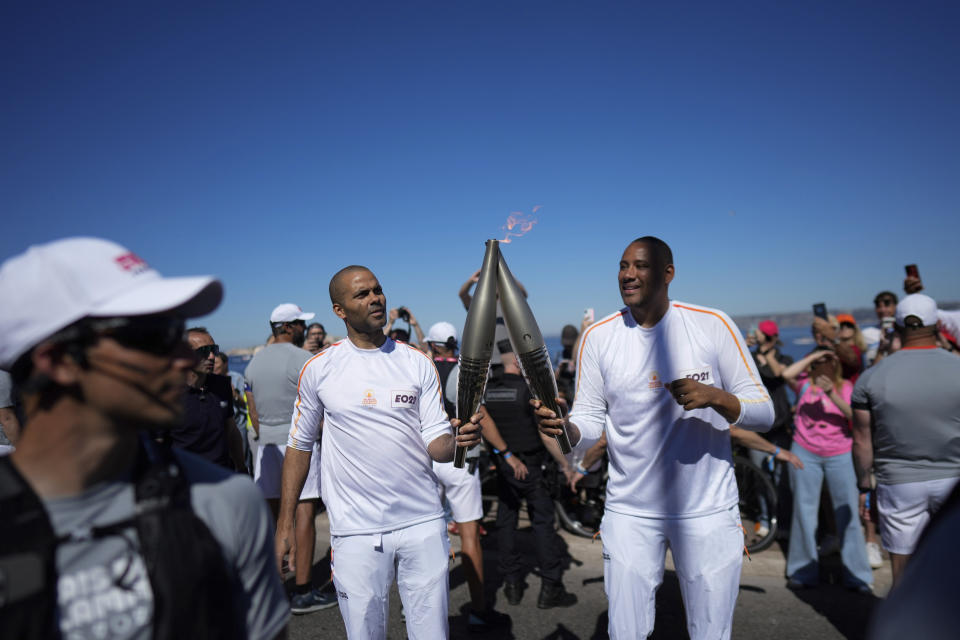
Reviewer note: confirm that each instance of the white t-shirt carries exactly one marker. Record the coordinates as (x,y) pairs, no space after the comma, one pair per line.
(380,408)
(664,461)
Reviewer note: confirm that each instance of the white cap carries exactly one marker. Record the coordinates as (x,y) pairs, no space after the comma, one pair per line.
(919,305)
(289,312)
(441,332)
(52,285)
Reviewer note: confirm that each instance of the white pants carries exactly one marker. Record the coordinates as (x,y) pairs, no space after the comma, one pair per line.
(268,466)
(462,491)
(363,570)
(905,510)
(707,552)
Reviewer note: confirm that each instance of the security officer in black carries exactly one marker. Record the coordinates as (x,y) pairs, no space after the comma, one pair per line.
(519,477)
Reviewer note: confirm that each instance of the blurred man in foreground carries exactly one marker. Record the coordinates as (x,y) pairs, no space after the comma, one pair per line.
(115,533)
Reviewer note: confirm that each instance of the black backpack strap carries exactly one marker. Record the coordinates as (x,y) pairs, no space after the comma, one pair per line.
(28,576)
(193,590)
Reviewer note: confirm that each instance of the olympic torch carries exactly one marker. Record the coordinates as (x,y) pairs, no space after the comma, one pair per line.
(528,345)
(476,347)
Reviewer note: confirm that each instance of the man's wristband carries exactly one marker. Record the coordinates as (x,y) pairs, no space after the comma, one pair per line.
(777,452)
(864,490)
(579,468)
(507,455)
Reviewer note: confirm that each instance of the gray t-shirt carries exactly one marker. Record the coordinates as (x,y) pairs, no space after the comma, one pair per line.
(914,398)
(103,588)
(273,375)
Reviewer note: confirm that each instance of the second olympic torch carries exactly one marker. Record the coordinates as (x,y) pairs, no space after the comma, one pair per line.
(476,348)
(528,345)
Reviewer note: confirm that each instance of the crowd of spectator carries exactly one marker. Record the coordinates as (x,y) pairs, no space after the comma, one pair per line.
(873,417)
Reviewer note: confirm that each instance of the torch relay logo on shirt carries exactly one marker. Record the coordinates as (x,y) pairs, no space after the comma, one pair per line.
(403,399)
(703,374)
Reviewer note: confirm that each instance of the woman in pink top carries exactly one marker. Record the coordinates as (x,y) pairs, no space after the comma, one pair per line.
(822,440)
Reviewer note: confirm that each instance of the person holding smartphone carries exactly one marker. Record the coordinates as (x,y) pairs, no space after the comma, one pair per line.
(823,441)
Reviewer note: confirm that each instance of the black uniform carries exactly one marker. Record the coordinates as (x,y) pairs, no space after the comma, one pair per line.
(507,400)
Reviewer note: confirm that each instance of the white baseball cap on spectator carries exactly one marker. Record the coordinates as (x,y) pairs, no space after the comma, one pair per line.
(288,312)
(442,332)
(919,305)
(51,286)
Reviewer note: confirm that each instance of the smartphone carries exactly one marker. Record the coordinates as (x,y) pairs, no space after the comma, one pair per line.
(912,271)
(588,314)
(886,325)
(820,310)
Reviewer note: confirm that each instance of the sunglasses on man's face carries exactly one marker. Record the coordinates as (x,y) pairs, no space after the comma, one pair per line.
(159,335)
(885,303)
(207,349)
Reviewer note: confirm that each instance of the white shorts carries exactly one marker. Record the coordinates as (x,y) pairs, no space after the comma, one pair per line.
(905,511)
(707,553)
(363,571)
(462,491)
(268,466)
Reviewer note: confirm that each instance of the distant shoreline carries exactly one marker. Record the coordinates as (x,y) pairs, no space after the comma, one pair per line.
(864,316)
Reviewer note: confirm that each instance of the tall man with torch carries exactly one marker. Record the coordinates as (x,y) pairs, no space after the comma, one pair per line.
(381,409)
(672,377)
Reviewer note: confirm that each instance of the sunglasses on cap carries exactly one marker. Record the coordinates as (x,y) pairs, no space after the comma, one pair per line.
(205,351)
(159,335)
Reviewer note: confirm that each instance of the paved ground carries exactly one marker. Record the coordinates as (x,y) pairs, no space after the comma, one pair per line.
(765,609)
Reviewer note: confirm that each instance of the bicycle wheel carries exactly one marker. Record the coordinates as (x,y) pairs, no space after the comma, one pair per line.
(579,513)
(758,504)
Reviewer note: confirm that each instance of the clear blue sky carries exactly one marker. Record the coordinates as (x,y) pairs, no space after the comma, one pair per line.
(788,154)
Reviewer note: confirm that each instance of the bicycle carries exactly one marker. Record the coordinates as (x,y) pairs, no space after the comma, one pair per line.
(758,504)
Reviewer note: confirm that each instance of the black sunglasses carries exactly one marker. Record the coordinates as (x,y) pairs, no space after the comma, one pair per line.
(159,335)
(205,351)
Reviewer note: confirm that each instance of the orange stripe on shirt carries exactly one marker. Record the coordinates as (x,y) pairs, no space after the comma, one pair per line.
(583,341)
(300,377)
(435,372)
(735,341)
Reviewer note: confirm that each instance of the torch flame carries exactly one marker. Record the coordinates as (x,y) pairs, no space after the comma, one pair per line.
(519,221)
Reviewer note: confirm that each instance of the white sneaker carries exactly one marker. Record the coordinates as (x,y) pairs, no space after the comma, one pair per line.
(761,529)
(874,555)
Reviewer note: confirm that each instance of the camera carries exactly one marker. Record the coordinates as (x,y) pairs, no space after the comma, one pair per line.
(403,314)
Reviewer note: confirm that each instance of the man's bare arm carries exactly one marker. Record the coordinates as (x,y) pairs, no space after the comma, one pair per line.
(464,292)
(293,475)
(441,448)
(691,394)
(862,447)
(595,452)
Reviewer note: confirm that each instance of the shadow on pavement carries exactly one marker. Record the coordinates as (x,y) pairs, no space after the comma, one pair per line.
(848,611)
